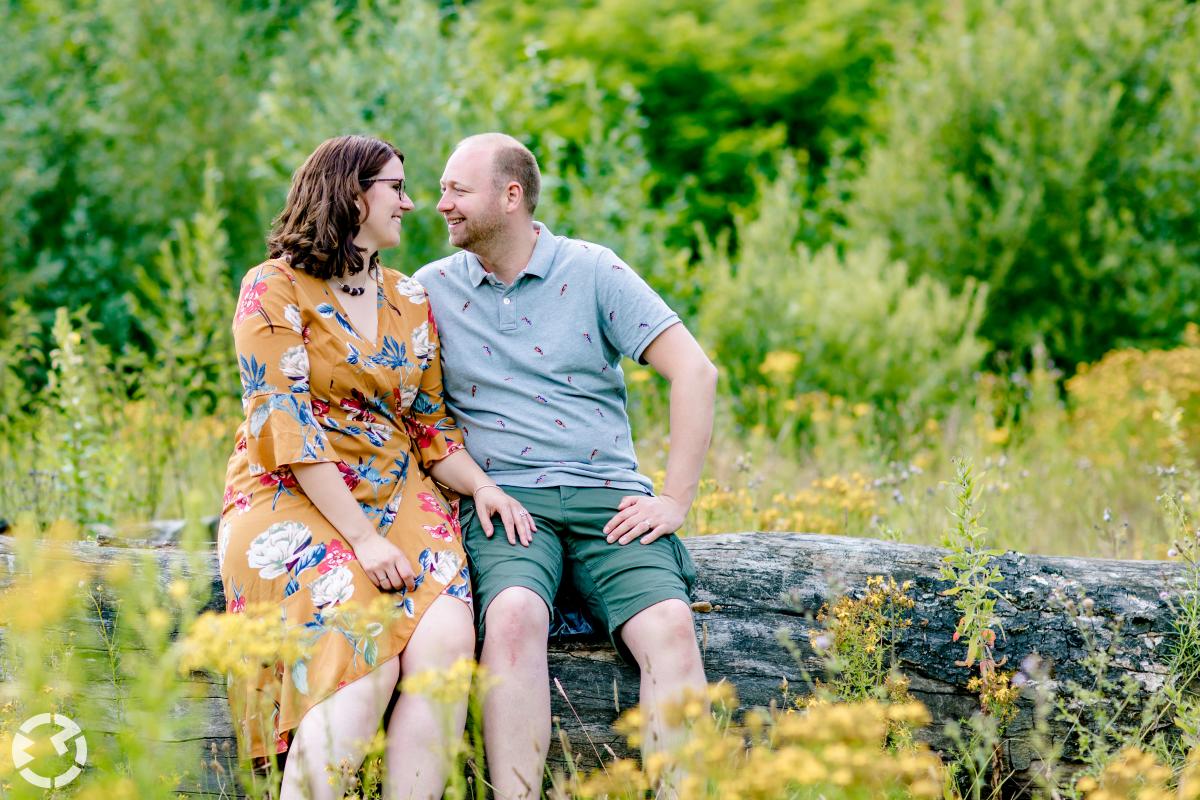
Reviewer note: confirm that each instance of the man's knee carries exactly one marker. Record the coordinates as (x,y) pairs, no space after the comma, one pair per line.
(663,632)
(517,620)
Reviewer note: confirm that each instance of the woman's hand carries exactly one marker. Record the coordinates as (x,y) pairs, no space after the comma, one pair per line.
(518,523)
(385,564)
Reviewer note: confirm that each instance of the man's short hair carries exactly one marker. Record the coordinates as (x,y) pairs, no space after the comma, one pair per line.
(518,164)
(511,161)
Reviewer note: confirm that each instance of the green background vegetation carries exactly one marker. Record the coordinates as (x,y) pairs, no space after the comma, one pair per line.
(898,227)
(907,232)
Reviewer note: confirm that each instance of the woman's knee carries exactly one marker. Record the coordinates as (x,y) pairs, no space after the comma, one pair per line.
(445,634)
(353,711)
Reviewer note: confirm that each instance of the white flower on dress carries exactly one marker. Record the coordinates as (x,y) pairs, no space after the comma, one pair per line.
(223,543)
(381,430)
(279,544)
(294,363)
(412,289)
(407,395)
(445,566)
(291,313)
(332,588)
(422,349)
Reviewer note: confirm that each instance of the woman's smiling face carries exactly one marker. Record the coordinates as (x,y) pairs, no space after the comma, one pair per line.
(386,203)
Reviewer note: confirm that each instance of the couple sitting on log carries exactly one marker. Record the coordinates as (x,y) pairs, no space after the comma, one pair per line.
(343,482)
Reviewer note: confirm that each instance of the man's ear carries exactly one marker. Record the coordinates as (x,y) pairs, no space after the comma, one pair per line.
(514,196)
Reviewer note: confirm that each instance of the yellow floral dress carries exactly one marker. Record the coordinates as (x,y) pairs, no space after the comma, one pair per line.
(315,390)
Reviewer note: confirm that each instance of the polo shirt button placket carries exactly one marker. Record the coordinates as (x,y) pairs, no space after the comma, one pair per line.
(508,312)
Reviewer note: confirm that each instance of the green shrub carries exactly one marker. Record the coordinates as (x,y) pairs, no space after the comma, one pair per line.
(1049,150)
(783,320)
(113,107)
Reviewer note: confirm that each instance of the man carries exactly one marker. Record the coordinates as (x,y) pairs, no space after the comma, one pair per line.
(533,327)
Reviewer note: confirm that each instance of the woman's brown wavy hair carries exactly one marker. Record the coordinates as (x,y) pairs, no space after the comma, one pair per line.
(319,221)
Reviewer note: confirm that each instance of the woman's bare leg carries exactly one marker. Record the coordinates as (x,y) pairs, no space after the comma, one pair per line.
(335,732)
(421,732)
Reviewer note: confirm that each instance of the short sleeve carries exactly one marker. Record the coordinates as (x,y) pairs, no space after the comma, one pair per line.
(273,362)
(430,426)
(632,315)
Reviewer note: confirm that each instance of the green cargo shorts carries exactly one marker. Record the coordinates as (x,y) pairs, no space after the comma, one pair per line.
(615,582)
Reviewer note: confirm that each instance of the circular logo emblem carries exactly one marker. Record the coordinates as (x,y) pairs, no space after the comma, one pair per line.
(68,732)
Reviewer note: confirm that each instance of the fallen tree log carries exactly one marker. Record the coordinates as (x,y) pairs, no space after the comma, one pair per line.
(756,587)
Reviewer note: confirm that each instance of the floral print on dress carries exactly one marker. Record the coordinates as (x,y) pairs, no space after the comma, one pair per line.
(411,289)
(315,391)
(276,547)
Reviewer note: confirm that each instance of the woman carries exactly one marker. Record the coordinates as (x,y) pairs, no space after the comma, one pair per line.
(330,500)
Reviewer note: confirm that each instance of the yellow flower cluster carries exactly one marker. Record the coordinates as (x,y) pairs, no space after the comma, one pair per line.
(780,364)
(1138,775)
(837,750)
(448,686)
(241,644)
(837,504)
(1117,401)
(997,695)
(855,635)
(44,598)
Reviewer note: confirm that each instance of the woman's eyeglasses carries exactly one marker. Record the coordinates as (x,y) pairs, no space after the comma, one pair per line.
(398,186)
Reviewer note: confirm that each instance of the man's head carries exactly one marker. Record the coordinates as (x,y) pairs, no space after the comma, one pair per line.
(490,186)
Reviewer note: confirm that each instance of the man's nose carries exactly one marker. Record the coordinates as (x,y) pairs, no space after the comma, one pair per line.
(444,203)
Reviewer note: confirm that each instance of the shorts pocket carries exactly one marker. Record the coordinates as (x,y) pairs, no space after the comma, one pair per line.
(687,567)
(466,515)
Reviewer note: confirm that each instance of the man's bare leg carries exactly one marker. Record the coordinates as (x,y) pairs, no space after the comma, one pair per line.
(516,711)
(662,638)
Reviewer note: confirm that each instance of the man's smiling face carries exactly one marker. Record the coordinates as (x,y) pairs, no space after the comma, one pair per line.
(471,202)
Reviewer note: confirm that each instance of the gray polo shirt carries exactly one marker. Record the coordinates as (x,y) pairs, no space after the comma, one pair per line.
(532,371)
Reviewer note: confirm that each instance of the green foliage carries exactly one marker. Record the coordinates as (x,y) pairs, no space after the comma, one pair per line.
(723,86)
(1047,149)
(75,418)
(20,358)
(856,325)
(145,114)
(183,306)
(971,566)
(116,130)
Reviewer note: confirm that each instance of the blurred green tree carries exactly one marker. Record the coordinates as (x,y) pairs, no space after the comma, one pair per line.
(1049,149)
(723,87)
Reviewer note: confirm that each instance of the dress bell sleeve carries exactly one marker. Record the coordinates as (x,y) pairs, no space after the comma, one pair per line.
(430,427)
(273,361)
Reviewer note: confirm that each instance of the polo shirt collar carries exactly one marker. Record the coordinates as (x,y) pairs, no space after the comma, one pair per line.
(539,262)
(543,252)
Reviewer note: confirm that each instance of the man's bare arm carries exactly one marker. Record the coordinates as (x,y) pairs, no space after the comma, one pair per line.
(677,356)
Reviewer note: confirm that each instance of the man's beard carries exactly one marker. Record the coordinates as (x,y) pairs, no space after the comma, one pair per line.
(479,232)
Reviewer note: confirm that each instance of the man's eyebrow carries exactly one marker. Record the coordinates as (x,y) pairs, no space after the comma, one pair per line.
(453,184)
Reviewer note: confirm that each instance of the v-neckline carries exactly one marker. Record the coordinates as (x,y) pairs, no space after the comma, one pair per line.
(350,321)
